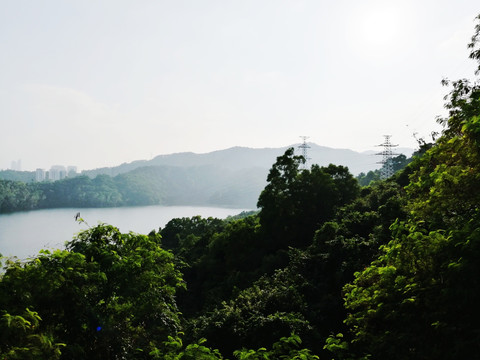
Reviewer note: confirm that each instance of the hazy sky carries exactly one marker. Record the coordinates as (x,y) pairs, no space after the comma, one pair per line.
(98,83)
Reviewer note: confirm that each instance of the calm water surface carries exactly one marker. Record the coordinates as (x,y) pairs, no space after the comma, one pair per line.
(24,234)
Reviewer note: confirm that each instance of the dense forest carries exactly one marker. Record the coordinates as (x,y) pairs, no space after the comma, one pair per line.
(327,269)
(206,185)
(149,185)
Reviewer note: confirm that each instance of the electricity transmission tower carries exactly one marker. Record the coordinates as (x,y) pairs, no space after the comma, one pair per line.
(304,147)
(387,156)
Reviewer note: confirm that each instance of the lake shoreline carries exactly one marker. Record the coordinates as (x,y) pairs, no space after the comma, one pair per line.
(23,234)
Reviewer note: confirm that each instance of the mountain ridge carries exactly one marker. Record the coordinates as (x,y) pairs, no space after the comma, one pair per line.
(241,158)
(233,177)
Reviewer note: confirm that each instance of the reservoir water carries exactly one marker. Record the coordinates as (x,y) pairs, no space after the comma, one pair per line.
(23,234)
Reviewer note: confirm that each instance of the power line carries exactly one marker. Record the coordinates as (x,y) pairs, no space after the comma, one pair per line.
(387,155)
(304,147)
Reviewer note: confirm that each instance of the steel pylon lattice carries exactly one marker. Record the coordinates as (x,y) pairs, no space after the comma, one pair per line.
(304,148)
(387,155)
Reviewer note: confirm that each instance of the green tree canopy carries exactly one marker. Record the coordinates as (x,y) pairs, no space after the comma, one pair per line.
(108,296)
(296,202)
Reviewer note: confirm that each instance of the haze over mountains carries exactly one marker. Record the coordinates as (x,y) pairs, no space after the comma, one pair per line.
(241,158)
(232,177)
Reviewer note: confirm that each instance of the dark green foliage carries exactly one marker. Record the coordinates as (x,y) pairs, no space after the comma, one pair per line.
(272,307)
(21,339)
(305,296)
(399,162)
(258,315)
(296,202)
(108,296)
(219,256)
(15,196)
(174,349)
(186,235)
(242,215)
(420,298)
(285,348)
(368,178)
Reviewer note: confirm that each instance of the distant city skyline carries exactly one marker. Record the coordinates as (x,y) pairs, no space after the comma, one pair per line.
(98,84)
(56,172)
(16,165)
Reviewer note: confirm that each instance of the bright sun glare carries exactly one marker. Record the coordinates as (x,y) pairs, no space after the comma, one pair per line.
(377,31)
(379,27)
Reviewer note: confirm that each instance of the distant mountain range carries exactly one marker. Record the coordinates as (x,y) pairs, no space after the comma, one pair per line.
(232,177)
(242,158)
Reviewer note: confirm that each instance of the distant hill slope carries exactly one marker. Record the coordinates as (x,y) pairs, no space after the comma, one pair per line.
(200,185)
(12,175)
(241,158)
(232,177)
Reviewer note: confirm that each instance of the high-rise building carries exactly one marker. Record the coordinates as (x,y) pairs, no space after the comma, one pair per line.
(71,171)
(40,175)
(16,165)
(57,172)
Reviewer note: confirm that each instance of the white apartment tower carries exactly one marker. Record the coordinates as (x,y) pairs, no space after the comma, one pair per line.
(40,175)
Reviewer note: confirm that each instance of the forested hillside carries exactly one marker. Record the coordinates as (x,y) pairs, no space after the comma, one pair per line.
(12,175)
(326,269)
(235,159)
(244,159)
(233,177)
(152,185)
(207,185)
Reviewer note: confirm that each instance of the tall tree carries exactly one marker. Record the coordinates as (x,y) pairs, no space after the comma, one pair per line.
(296,202)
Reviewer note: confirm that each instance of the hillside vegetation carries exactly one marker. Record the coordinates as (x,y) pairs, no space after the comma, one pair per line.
(325,270)
(234,177)
(150,185)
